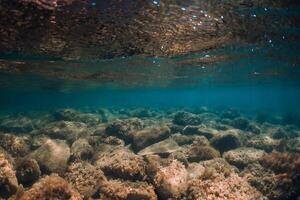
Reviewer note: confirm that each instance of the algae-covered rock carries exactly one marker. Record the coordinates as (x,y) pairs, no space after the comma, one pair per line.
(146,137)
(221,187)
(38,140)
(75,116)
(163,148)
(14,145)
(85,178)
(28,171)
(81,149)
(50,187)
(124,190)
(66,130)
(242,157)
(16,125)
(240,123)
(227,140)
(207,132)
(124,128)
(197,153)
(263,142)
(120,162)
(52,156)
(186,118)
(171,181)
(8,179)
(195,170)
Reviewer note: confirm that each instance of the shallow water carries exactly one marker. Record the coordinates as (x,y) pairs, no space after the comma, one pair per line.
(150,99)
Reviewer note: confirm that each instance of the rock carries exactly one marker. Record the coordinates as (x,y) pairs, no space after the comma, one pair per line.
(190,130)
(195,171)
(38,140)
(186,118)
(50,187)
(240,123)
(288,132)
(142,113)
(66,130)
(189,139)
(230,114)
(124,128)
(146,137)
(207,132)
(75,116)
(105,115)
(294,145)
(28,171)
(85,178)
(217,166)
(52,156)
(197,153)
(182,139)
(176,128)
(123,190)
(221,187)
(242,157)
(81,149)
(180,156)
(263,142)
(227,140)
(162,148)
(253,128)
(171,181)
(8,180)
(15,145)
(120,162)
(16,125)
(269,184)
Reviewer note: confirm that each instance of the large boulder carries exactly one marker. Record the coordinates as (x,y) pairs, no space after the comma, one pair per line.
(66,130)
(120,162)
(227,140)
(85,178)
(162,148)
(171,181)
(186,118)
(52,156)
(124,128)
(124,190)
(242,157)
(50,187)
(28,171)
(197,153)
(8,180)
(15,145)
(146,137)
(81,149)
(16,125)
(75,116)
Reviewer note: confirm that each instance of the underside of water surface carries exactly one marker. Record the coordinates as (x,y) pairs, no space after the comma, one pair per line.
(147,100)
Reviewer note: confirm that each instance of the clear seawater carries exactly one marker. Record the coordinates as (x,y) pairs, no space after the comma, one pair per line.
(256,72)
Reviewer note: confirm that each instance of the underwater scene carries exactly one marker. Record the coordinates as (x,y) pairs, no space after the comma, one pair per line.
(150,99)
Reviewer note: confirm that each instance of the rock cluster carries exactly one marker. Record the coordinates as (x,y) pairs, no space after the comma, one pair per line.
(180,155)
